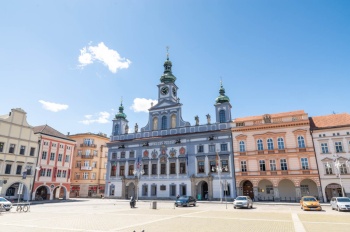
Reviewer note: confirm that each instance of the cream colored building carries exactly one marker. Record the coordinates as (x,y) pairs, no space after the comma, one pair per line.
(88,176)
(331,134)
(18,155)
(274,157)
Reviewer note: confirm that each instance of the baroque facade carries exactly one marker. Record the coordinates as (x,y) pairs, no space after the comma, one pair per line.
(274,157)
(331,134)
(169,156)
(18,155)
(52,178)
(89,165)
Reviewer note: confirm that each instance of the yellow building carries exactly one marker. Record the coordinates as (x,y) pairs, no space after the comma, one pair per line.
(89,165)
(18,155)
(274,157)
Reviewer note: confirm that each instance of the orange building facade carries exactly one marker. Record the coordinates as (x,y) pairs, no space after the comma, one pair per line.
(274,157)
(89,165)
(53,172)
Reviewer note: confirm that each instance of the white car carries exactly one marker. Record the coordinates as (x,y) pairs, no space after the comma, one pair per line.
(5,204)
(243,202)
(340,203)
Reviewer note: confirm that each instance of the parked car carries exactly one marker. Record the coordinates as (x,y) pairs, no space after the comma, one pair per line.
(185,201)
(6,204)
(340,203)
(243,202)
(310,203)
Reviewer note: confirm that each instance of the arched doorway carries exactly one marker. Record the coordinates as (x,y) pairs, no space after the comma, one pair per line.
(308,188)
(248,189)
(130,190)
(265,191)
(42,193)
(286,190)
(12,192)
(202,190)
(333,190)
(59,193)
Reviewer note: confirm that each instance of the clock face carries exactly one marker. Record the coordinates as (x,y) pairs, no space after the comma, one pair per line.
(174,92)
(164,90)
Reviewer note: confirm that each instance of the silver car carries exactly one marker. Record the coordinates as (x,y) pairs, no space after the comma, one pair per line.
(340,203)
(5,204)
(243,202)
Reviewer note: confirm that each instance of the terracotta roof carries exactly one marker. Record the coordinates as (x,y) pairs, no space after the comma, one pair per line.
(332,120)
(47,130)
(278,115)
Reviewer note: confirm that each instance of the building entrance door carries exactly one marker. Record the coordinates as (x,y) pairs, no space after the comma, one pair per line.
(248,189)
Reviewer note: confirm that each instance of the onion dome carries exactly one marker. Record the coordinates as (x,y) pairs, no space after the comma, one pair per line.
(222,98)
(167,76)
(121,113)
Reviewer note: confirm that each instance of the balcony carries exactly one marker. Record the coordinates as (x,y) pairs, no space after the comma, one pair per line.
(242,153)
(85,168)
(87,156)
(87,145)
(302,149)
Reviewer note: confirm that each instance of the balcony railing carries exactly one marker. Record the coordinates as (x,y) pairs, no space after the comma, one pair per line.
(87,145)
(87,156)
(85,168)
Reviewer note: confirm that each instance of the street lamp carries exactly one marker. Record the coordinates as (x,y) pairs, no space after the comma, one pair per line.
(338,166)
(138,173)
(219,169)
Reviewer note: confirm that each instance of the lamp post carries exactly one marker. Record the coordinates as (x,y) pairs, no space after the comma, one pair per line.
(338,165)
(219,169)
(138,172)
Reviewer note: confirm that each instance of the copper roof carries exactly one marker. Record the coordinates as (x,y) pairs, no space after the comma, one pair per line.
(278,115)
(332,120)
(47,130)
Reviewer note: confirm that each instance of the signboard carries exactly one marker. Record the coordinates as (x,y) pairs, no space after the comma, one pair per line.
(225,185)
(20,189)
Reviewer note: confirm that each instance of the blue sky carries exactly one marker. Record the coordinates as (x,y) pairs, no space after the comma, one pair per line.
(68,63)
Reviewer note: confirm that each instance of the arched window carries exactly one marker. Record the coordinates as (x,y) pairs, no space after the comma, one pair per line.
(280,142)
(301,142)
(222,116)
(270,144)
(241,146)
(164,123)
(155,123)
(173,121)
(260,145)
(116,129)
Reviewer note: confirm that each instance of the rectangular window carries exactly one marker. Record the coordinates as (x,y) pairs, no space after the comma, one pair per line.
(8,169)
(269,189)
(200,148)
(212,165)
(121,171)
(262,165)
(324,148)
(78,165)
(1,147)
(22,150)
(182,168)
(145,190)
(93,176)
(87,152)
(32,151)
(338,147)
(48,172)
(80,152)
(61,146)
(95,152)
(67,158)
(88,142)
(343,169)
(29,170)
(19,170)
(12,148)
(273,165)
(85,175)
(131,170)
(172,190)
(145,169)
(122,155)
(224,165)
(94,164)
(59,157)
(64,173)
(53,144)
(86,163)
(211,148)
(59,173)
(162,188)
(328,169)
(223,147)
(244,166)
(132,154)
(42,172)
(113,170)
(114,155)
(172,168)
(77,176)
(154,169)
(52,156)
(201,167)
(154,190)
(284,166)
(304,163)
(162,169)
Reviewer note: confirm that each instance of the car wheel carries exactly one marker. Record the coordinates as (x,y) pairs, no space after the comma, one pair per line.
(7,209)
(251,206)
(194,204)
(338,209)
(234,207)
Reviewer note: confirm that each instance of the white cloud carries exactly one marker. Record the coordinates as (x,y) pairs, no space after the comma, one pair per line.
(102,118)
(54,107)
(142,104)
(102,53)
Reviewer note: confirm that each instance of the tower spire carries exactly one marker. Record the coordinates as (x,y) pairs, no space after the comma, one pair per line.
(167,76)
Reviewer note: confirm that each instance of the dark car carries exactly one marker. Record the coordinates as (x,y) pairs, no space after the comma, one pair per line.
(185,201)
